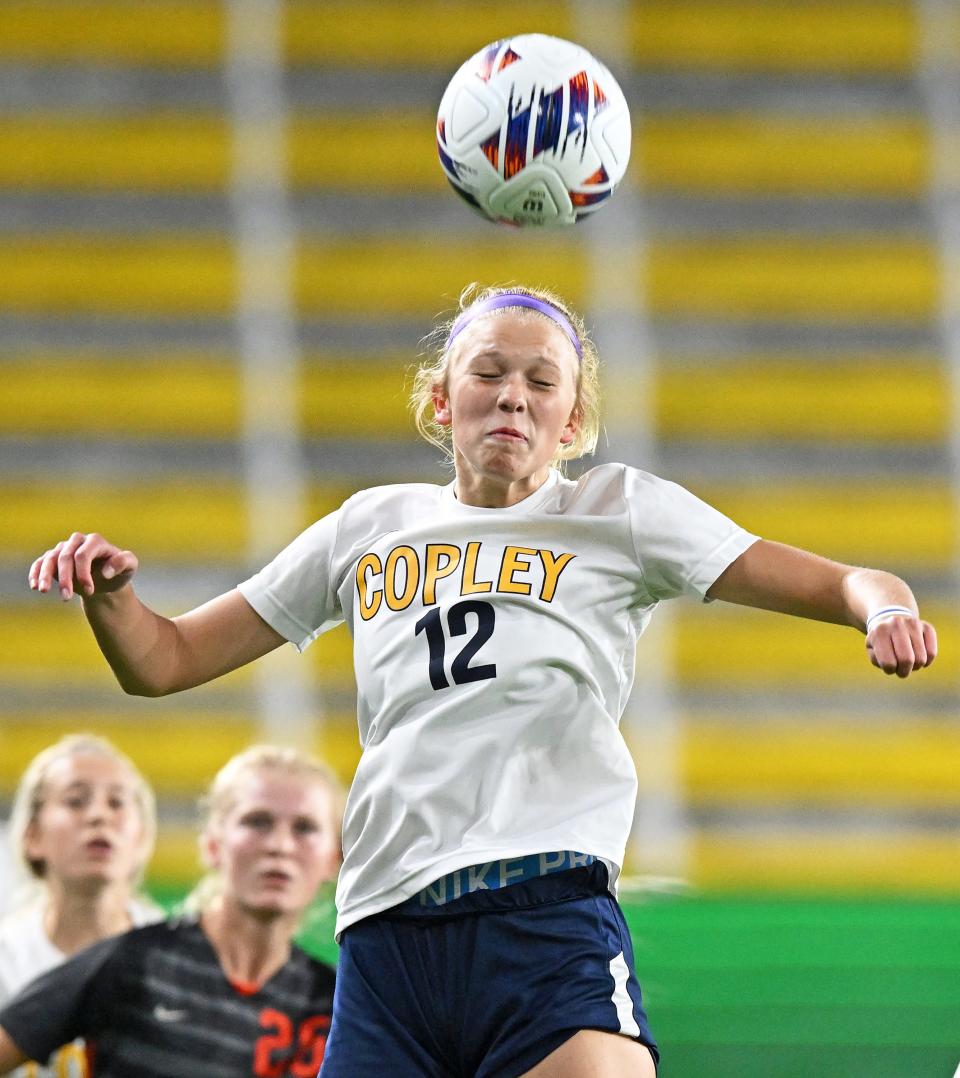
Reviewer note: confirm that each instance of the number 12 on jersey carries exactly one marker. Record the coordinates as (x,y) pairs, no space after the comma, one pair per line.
(460,669)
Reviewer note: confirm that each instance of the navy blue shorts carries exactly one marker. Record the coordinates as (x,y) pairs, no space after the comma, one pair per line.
(485,986)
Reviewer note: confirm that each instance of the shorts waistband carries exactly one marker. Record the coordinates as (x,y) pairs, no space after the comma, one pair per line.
(492,875)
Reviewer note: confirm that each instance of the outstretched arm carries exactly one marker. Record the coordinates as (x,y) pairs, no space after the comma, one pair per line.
(151,655)
(773,576)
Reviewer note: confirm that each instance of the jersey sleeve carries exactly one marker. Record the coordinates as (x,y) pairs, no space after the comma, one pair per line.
(682,543)
(296,594)
(69,1001)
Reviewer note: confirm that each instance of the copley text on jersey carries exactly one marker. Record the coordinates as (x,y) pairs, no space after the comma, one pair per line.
(523,571)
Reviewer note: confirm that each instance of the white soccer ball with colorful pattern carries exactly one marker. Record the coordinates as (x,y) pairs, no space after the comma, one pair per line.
(534,130)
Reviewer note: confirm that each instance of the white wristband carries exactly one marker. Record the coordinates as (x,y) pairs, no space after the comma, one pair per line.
(888,612)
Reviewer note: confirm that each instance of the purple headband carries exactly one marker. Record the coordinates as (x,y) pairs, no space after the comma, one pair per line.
(515,299)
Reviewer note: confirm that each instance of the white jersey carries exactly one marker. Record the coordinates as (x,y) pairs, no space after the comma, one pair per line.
(494,652)
(8,872)
(25,953)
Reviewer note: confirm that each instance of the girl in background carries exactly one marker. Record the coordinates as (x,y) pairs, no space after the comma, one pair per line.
(223,990)
(83,826)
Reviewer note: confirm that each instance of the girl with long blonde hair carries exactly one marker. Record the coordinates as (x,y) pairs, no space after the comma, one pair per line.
(82,829)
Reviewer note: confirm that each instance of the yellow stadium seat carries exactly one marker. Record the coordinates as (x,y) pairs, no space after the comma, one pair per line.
(854,36)
(847,279)
(804,397)
(906,762)
(729,649)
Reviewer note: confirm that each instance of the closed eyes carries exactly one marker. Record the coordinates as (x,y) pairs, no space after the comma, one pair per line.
(489,376)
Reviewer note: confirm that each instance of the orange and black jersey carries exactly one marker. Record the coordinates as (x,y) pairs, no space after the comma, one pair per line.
(155,1002)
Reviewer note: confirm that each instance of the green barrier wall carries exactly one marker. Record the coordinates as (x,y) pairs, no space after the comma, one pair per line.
(747,987)
(792,988)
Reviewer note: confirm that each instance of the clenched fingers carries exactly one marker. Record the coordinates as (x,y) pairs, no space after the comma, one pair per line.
(43,571)
(94,548)
(84,563)
(901,645)
(66,560)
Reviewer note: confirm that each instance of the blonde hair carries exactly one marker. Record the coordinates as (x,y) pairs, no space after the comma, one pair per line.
(434,371)
(221,797)
(30,797)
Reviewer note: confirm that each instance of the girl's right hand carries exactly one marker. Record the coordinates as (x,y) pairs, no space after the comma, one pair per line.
(84,564)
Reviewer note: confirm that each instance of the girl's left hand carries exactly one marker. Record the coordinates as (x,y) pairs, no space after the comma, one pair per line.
(899,645)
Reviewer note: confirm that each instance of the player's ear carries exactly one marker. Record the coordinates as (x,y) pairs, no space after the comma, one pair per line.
(572,427)
(33,842)
(210,850)
(441,406)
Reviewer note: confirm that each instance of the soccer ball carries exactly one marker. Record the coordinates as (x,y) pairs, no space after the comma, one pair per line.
(534,130)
